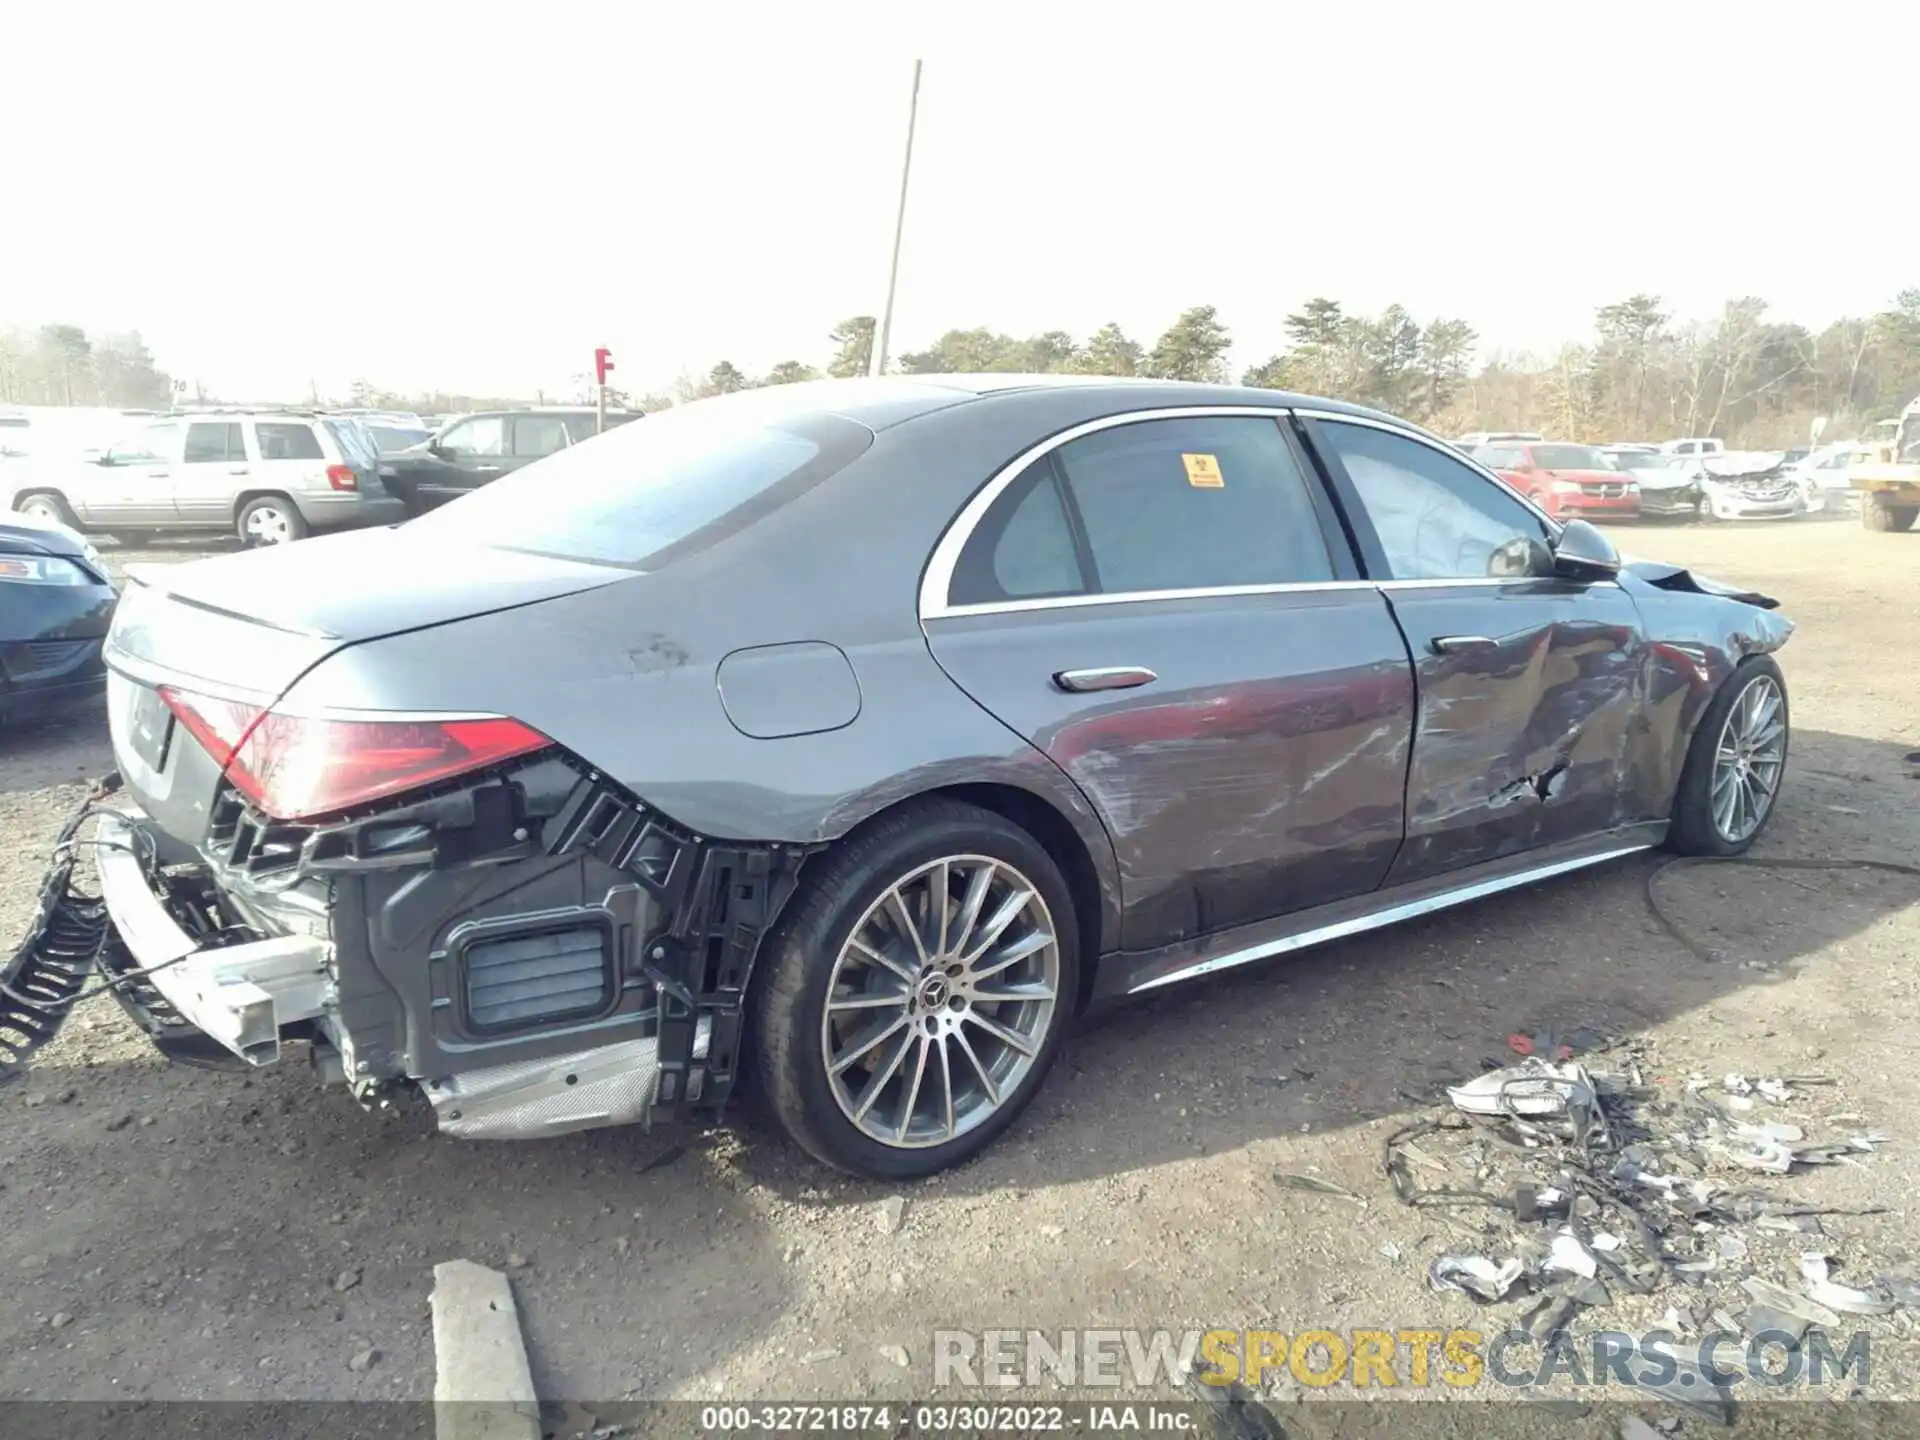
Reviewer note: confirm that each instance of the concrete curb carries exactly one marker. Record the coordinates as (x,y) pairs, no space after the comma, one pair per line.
(483,1386)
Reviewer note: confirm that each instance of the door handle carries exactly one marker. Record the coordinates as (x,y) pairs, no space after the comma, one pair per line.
(1455,644)
(486,469)
(241,471)
(1111,677)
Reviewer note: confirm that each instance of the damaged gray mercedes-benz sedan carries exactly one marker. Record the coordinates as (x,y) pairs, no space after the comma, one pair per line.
(855,736)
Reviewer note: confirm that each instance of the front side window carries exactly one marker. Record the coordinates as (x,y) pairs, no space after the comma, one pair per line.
(1436,518)
(537,435)
(1194,503)
(207,443)
(482,435)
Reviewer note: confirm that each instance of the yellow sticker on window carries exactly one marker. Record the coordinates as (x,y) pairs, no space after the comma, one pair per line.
(1203,472)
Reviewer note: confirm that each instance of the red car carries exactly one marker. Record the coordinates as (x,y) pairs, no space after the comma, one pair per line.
(1564,480)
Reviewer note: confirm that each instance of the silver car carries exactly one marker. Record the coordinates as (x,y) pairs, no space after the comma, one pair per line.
(861,733)
(268,476)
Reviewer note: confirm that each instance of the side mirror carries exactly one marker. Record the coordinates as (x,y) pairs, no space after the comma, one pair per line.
(1583,553)
(94,456)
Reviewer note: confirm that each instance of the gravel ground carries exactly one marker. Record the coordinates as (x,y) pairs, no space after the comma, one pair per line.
(177,1233)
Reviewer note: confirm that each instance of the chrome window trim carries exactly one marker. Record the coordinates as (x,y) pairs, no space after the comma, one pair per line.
(937,583)
(1442,448)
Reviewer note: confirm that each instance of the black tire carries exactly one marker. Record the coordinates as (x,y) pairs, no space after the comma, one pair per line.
(1878,513)
(49,503)
(295,524)
(1693,831)
(786,1005)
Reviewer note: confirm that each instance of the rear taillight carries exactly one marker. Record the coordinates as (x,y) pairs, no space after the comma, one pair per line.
(294,767)
(341,477)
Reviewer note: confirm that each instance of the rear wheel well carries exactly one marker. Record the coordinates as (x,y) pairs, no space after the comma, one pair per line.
(1057,837)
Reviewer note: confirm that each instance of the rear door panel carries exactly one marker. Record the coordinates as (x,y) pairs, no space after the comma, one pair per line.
(1261,767)
(1262,771)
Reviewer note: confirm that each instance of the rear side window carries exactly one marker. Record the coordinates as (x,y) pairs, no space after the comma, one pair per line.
(537,435)
(207,443)
(1023,548)
(1194,503)
(287,440)
(643,494)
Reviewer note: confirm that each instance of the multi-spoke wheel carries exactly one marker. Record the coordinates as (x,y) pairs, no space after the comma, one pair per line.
(917,991)
(1734,767)
(1749,759)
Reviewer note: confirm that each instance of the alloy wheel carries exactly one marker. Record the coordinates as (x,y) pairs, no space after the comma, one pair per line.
(1748,760)
(940,1001)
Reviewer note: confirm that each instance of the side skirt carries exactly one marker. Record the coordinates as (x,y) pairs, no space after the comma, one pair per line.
(1129,973)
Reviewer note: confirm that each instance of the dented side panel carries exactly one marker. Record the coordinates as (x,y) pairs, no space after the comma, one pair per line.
(1525,740)
(1695,642)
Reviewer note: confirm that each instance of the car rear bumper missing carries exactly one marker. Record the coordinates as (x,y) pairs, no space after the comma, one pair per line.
(242,996)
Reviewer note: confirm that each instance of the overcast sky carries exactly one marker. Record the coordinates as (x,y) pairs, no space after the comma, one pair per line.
(472,197)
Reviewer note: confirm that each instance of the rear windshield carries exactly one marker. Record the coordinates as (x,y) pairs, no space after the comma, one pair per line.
(686,478)
(1568,457)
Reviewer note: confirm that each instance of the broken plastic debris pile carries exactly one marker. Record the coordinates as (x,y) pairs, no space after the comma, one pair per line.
(1580,1187)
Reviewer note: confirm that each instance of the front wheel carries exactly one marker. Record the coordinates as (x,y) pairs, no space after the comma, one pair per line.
(1734,766)
(916,992)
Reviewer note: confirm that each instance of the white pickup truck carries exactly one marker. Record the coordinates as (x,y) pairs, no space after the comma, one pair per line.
(1699,445)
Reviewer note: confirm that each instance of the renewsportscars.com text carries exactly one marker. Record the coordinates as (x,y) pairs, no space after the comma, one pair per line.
(1382,1359)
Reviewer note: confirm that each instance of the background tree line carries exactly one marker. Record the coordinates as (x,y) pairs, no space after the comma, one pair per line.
(1640,374)
(62,365)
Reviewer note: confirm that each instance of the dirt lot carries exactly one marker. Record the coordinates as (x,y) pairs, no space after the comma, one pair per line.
(171,1232)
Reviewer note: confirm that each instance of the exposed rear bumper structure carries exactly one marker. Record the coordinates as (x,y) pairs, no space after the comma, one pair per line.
(542,954)
(243,995)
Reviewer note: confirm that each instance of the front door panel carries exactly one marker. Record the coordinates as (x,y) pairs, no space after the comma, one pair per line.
(1523,740)
(1262,769)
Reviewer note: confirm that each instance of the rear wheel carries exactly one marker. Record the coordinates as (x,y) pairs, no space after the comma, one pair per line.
(1880,513)
(1734,765)
(917,991)
(270,520)
(46,507)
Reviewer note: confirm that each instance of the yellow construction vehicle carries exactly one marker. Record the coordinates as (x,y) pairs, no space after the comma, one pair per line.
(1886,470)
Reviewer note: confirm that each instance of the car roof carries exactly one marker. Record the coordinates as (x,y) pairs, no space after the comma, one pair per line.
(882,401)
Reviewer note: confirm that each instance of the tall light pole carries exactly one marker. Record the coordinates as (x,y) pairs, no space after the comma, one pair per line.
(877,364)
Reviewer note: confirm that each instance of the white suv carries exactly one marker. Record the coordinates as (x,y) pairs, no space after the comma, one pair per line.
(269,476)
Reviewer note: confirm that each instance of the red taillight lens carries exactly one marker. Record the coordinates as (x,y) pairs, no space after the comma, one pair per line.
(341,477)
(295,767)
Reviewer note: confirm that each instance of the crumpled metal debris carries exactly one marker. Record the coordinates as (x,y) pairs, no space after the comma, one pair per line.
(1475,1275)
(1611,1180)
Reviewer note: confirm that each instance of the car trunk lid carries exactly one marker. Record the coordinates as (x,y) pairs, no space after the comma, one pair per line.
(243,628)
